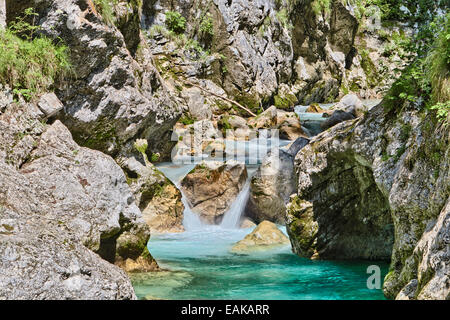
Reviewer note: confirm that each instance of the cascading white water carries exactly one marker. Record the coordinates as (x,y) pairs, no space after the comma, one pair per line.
(191,220)
(232,216)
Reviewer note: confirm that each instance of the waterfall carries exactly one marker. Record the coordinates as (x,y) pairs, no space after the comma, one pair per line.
(191,221)
(233,215)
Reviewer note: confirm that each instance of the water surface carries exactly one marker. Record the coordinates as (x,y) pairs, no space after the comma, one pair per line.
(201,267)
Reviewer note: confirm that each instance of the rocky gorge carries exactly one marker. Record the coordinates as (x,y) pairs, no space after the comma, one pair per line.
(163,118)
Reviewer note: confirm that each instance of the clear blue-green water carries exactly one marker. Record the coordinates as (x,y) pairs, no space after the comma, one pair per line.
(200,266)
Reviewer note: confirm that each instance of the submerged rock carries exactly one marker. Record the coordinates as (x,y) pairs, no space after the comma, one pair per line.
(266,236)
(211,188)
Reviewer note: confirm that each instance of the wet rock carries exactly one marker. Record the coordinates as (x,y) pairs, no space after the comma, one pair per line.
(288,124)
(247,223)
(270,188)
(266,236)
(211,188)
(314,108)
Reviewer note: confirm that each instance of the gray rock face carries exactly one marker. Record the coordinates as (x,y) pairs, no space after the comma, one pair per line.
(369,189)
(117,95)
(272,185)
(268,51)
(65,211)
(350,103)
(2,13)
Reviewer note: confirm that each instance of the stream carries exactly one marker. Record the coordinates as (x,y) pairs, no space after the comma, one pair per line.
(197,263)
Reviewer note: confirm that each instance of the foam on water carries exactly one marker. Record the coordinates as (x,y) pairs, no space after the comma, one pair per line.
(232,217)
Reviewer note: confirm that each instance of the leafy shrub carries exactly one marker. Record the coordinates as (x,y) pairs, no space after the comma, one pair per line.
(428,76)
(175,22)
(30,64)
(186,120)
(206,25)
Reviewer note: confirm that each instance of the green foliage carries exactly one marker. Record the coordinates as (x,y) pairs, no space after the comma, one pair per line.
(442,110)
(175,22)
(428,76)
(283,17)
(438,65)
(107,9)
(30,64)
(157,29)
(207,26)
(155,157)
(321,6)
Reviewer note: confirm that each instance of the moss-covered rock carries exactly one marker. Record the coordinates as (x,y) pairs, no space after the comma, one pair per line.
(373,197)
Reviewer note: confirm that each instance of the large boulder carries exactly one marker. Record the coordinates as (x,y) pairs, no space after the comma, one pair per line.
(116,95)
(67,214)
(211,188)
(369,189)
(265,236)
(272,185)
(235,128)
(288,124)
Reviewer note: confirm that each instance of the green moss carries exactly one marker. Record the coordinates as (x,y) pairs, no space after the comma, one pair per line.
(248,101)
(98,137)
(405,131)
(369,68)
(284,102)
